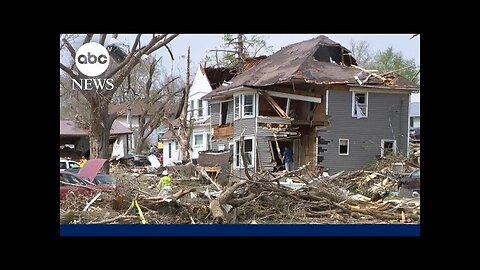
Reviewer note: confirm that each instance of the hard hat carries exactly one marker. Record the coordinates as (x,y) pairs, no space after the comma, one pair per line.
(165,172)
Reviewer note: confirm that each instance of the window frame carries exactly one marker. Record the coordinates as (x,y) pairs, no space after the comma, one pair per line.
(236,107)
(195,142)
(382,148)
(200,108)
(353,103)
(236,153)
(252,105)
(348,147)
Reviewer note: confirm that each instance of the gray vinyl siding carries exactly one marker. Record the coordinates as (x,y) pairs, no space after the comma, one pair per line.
(248,123)
(387,119)
(216,143)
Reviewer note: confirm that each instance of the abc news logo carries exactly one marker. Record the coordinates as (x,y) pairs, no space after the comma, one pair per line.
(92,59)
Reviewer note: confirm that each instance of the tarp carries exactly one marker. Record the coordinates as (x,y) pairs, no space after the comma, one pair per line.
(154,161)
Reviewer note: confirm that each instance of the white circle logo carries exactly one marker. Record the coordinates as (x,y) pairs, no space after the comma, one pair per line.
(92,59)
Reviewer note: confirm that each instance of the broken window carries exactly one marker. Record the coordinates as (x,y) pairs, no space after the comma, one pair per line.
(247,105)
(388,147)
(359,105)
(198,140)
(200,108)
(343,147)
(237,107)
(248,148)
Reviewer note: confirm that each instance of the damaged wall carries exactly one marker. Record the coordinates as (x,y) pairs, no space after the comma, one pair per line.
(386,113)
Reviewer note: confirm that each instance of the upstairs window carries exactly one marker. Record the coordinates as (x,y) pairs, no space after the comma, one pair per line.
(247,105)
(359,105)
(236,104)
(200,108)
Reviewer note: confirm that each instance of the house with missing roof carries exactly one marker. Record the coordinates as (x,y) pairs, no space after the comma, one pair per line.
(311,97)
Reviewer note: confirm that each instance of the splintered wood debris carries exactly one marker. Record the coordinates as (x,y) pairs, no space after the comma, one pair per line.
(300,196)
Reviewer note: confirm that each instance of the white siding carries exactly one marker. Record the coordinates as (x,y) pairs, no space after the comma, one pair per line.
(200,87)
(205,131)
(167,160)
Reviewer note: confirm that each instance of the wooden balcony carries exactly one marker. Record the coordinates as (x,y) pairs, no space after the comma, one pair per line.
(222,132)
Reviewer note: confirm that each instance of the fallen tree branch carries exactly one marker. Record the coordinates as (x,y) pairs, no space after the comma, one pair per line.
(204,173)
(294,172)
(92,201)
(122,217)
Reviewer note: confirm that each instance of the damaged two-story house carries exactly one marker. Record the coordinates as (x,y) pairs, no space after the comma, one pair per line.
(311,97)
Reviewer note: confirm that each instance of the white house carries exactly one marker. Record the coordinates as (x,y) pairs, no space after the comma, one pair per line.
(200,111)
(130,118)
(205,80)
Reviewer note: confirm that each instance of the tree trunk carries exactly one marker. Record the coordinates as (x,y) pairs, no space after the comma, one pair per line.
(184,149)
(100,125)
(140,137)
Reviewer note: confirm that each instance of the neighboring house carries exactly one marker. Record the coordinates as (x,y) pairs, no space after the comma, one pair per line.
(414,114)
(171,149)
(129,116)
(206,79)
(71,133)
(309,97)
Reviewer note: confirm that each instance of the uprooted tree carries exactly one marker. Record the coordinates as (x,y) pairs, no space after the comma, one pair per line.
(100,121)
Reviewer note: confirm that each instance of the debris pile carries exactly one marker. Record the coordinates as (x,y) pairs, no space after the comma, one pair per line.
(300,196)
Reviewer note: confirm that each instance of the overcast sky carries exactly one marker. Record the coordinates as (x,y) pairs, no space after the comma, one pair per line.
(201,43)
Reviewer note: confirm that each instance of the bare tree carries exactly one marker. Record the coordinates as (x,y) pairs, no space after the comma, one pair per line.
(99,119)
(153,106)
(184,129)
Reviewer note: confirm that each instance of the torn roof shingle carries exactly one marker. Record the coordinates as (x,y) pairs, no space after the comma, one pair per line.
(319,60)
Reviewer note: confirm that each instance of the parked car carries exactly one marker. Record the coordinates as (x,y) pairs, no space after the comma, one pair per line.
(67,164)
(85,179)
(81,186)
(411,181)
(102,180)
(415,133)
(138,160)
